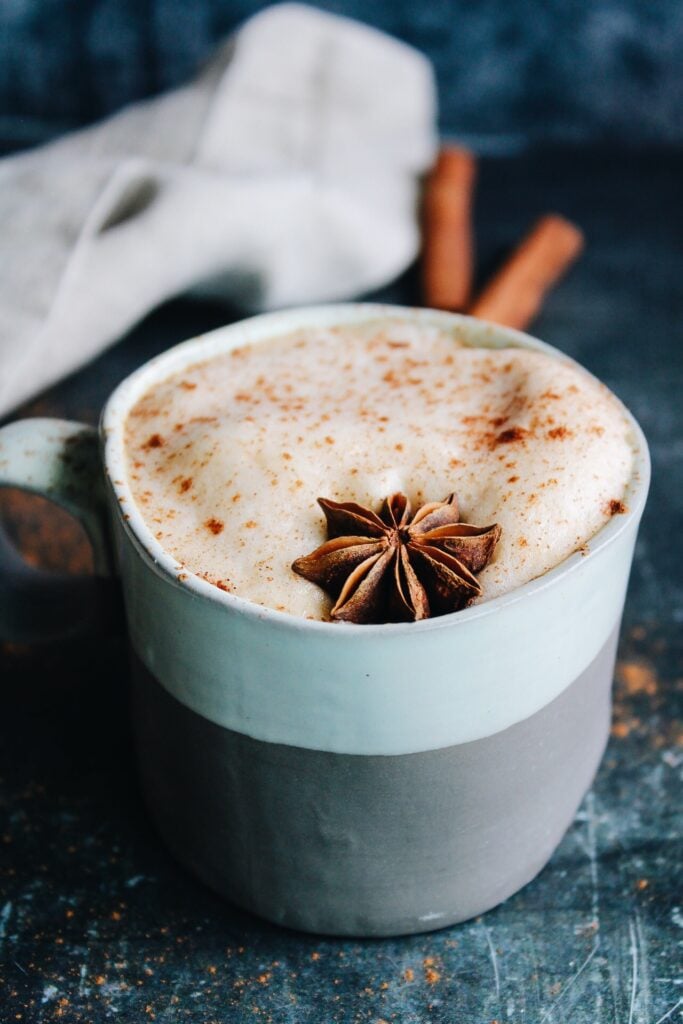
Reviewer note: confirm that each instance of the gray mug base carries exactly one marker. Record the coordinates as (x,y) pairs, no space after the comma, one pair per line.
(356,845)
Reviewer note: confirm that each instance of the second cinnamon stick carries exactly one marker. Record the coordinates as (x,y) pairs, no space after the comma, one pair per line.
(515,294)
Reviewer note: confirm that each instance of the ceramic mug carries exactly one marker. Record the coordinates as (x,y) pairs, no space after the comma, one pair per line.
(348,779)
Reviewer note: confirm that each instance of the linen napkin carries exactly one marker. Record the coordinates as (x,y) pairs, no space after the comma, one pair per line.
(286,173)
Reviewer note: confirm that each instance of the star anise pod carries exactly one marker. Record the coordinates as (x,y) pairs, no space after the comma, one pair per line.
(396,567)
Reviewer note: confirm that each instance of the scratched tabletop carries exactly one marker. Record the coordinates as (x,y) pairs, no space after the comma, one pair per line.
(98,923)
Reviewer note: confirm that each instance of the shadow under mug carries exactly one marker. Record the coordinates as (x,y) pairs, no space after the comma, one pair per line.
(343,779)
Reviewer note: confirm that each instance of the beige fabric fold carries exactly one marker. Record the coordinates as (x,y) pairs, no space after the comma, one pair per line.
(286,173)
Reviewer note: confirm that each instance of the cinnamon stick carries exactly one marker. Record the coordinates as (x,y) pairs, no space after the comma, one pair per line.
(515,294)
(447,248)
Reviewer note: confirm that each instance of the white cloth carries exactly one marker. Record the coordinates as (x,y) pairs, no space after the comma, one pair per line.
(286,173)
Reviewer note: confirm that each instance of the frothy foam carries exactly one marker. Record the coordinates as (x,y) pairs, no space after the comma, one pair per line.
(227,459)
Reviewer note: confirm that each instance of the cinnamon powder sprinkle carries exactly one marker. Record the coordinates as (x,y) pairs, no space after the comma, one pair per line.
(511,435)
(616,508)
(185,484)
(431,974)
(155,441)
(215,525)
(558,433)
(637,677)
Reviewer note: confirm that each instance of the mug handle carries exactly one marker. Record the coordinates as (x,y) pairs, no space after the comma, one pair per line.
(59,460)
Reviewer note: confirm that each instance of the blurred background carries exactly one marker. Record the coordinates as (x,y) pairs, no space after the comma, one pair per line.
(509,71)
(574,106)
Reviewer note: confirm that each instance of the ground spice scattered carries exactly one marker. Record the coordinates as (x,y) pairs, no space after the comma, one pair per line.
(637,677)
(215,525)
(511,435)
(155,441)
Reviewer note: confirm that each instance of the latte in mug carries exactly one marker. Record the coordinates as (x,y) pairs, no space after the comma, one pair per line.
(228,457)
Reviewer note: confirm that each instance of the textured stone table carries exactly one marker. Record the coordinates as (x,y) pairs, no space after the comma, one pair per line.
(97,922)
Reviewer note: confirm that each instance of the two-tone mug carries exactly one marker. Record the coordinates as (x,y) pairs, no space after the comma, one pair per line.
(348,779)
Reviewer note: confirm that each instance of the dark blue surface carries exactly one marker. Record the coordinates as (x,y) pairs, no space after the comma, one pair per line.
(97,923)
(509,71)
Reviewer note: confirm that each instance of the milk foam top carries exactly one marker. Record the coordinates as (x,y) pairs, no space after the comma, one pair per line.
(227,458)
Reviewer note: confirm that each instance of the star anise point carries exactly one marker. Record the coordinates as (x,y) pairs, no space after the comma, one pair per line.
(393,566)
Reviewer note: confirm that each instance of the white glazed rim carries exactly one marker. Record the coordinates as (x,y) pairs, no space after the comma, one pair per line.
(258,328)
